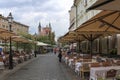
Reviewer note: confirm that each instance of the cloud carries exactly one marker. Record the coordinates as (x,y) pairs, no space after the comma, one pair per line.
(31,12)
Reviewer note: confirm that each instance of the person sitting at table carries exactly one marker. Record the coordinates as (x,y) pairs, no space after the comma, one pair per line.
(68,52)
(2,55)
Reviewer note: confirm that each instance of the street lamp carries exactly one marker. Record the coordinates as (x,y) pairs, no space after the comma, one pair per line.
(10,21)
(35,45)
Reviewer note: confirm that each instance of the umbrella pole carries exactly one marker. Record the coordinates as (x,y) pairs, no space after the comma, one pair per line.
(107,45)
(17,46)
(24,46)
(100,47)
(91,45)
(78,46)
(5,45)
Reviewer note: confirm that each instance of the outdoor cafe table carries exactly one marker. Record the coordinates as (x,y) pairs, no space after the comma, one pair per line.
(79,64)
(96,72)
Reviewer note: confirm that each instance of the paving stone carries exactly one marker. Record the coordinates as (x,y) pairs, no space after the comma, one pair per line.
(45,67)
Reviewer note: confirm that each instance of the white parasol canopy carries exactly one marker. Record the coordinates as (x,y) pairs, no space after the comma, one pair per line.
(41,44)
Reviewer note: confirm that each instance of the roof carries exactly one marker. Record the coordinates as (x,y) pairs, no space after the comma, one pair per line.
(21,24)
(13,21)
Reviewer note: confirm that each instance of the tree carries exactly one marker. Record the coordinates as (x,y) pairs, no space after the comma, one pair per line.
(26,46)
(45,39)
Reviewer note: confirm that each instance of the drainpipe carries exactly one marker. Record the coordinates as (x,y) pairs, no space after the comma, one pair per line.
(91,44)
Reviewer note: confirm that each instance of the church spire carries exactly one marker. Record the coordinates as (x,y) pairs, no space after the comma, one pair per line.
(39,27)
(49,25)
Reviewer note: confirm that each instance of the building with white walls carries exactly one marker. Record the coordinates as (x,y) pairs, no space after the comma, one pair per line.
(79,15)
(82,15)
(72,18)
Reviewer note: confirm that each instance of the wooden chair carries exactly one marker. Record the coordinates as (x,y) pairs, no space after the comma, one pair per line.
(117,63)
(106,64)
(87,60)
(1,64)
(83,69)
(95,65)
(117,75)
(111,74)
(1,59)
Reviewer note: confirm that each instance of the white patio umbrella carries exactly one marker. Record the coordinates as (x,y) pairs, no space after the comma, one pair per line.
(41,44)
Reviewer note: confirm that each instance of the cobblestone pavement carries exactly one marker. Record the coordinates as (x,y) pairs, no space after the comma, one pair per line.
(46,67)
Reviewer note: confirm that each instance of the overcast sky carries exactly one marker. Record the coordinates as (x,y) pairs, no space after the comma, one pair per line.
(31,12)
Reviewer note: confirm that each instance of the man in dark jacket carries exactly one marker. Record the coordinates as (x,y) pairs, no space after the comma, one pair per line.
(60,55)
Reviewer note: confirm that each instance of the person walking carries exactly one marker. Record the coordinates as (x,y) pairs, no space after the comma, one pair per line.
(54,50)
(60,55)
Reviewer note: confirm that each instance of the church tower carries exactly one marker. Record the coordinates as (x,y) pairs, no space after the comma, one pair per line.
(50,26)
(39,28)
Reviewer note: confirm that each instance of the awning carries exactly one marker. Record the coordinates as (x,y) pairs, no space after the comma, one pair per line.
(113,5)
(64,39)
(2,30)
(104,22)
(5,35)
(20,39)
(41,44)
(70,36)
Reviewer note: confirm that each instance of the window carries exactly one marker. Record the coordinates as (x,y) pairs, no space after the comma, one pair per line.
(17,29)
(3,26)
(3,20)
(85,3)
(6,27)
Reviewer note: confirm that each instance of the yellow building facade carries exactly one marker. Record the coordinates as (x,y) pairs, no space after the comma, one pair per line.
(17,27)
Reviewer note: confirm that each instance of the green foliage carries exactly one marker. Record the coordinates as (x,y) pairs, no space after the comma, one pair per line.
(45,39)
(28,36)
(25,46)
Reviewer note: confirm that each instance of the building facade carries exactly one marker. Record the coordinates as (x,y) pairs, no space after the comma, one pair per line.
(82,15)
(20,28)
(46,31)
(79,15)
(17,27)
(72,18)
